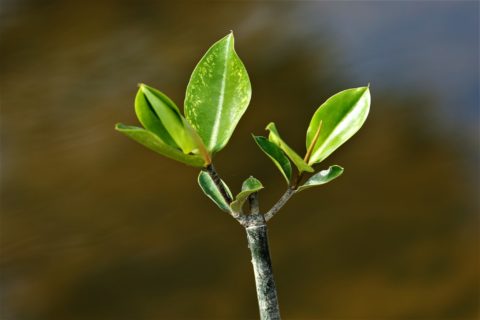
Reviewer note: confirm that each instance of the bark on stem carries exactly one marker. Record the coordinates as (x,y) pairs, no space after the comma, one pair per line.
(285,197)
(262,266)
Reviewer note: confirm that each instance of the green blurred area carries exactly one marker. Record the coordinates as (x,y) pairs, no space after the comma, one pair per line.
(94,226)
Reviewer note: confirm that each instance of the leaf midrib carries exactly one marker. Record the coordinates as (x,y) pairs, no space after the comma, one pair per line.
(221,99)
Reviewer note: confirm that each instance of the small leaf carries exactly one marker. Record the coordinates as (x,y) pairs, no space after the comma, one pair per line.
(249,186)
(149,119)
(274,137)
(153,142)
(210,189)
(218,94)
(168,114)
(322,177)
(276,155)
(341,116)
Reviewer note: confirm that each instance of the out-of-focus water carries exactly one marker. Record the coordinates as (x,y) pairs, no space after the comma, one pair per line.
(96,227)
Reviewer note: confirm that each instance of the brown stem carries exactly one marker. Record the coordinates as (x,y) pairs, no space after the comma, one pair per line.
(218,182)
(281,202)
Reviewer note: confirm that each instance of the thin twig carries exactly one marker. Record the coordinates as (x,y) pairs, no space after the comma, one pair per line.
(218,182)
(241,218)
(297,181)
(280,203)
(253,201)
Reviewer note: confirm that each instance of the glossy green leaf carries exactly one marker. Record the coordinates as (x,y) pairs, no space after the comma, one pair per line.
(249,186)
(276,155)
(341,115)
(218,94)
(154,106)
(322,177)
(149,119)
(210,189)
(274,137)
(153,142)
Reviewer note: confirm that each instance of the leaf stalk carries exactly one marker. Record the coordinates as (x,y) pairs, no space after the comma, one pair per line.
(218,182)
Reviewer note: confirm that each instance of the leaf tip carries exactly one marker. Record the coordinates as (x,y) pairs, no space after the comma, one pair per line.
(256,138)
(229,38)
(366,89)
(119,126)
(269,126)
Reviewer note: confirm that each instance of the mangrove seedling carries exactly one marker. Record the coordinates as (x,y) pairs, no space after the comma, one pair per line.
(217,96)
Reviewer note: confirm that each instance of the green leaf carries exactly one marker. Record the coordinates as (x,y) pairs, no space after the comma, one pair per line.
(322,177)
(341,115)
(153,142)
(149,119)
(154,106)
(218,94)
(210,189)
(276,155)
(249,186)
(274,137)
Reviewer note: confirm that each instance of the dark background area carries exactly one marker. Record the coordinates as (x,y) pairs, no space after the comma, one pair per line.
(94,226)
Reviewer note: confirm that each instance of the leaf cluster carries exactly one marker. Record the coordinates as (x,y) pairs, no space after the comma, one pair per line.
(217,96)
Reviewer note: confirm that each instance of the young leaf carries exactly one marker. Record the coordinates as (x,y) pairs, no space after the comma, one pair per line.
(218,94)
(249,186)
(150,120)
(210,189)
(322,177)
(153,142)
(341,116)
(276,155)
(170,117)
(274,137)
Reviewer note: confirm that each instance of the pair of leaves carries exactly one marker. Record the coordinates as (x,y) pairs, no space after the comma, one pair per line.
(334,122)
(280,153)
(274,136)
(217,96)
(210,189)
(165,130)
(157,113)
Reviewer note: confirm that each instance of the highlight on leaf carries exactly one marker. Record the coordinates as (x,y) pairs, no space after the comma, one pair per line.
(322,177)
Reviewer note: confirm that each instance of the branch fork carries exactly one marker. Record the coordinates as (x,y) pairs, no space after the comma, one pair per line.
(255,224)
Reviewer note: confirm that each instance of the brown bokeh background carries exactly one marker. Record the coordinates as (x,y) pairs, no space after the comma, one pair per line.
(94,226)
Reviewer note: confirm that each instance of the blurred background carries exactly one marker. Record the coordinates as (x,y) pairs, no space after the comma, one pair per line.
(94,226)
